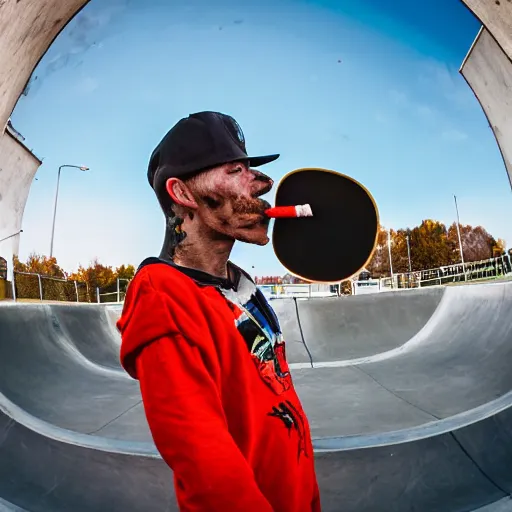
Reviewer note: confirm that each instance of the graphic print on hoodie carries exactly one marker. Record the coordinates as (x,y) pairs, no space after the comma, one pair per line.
(259,327)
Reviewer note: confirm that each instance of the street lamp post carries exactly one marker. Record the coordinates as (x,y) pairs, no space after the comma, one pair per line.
(408,253)
(390,258)
(81,168)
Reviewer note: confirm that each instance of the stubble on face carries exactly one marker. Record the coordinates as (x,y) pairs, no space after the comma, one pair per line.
(229,202)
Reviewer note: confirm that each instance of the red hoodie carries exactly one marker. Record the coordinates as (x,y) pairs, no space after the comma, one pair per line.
(217,391)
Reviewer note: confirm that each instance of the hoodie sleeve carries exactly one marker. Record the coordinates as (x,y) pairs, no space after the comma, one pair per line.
(184,410)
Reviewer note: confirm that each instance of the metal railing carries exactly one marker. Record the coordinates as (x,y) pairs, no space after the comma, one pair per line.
(26,285)
(33,286)
(282,291)
(491,268)
(117,295)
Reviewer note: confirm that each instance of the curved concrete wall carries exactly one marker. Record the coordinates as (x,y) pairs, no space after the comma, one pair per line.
(488,71)
(28,28)
(496,17)
(17,169)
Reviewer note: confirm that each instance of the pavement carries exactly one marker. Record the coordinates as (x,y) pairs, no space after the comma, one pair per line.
(408,394)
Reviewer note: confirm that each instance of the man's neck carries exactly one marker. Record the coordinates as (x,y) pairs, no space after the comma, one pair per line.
(210,256)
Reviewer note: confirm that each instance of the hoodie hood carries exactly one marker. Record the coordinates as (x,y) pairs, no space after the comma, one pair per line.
(162,301)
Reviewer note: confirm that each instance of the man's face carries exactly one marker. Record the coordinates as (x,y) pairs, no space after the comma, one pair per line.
(229,203)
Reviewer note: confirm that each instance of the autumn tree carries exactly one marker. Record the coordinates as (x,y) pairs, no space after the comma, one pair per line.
(430,247)
(95,276)
(104,277)
(125,272)
(477,243)
(39,264)
(499,247)
(29,286)
(378,266)
(399,254)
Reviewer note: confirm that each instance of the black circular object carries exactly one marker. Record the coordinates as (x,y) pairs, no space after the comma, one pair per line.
(339,239)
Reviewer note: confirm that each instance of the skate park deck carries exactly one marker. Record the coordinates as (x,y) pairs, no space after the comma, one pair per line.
(420,420)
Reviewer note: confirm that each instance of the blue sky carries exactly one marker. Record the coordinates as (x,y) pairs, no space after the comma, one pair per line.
(394,112)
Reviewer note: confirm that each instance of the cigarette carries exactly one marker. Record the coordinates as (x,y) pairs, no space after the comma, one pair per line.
(289,212)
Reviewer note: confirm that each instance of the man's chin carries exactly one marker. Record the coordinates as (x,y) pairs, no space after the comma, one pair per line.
(255,237)
(262,242)
(259,240)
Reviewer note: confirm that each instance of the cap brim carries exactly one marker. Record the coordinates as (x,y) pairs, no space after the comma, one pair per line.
(256,161)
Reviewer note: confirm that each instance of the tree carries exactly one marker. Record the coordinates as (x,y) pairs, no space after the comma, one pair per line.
(399,250)
(125,272)
(430,247)
(39,264)
(96,276)
(477,243)
(499,247)
(378,266)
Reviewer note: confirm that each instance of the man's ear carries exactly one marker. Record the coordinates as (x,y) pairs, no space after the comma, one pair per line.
(180,194)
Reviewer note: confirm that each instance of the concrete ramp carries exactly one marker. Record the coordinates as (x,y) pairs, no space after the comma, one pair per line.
(408,393)
(352,327)
(91,330)
(72,431)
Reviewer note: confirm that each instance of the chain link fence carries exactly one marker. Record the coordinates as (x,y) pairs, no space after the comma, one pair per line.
(30,286)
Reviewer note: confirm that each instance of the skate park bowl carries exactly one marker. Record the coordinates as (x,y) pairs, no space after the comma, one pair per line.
(409,393)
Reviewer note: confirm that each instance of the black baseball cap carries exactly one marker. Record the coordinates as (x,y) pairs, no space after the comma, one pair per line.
(196,143)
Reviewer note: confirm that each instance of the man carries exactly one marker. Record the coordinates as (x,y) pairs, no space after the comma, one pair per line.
(203,342)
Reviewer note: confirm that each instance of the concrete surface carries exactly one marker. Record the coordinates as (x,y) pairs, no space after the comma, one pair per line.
(18,167)
(496,17)
(91,330)
(504,505)
(26,31)
(422,422)
(423,425)
(488,71)
(362,325)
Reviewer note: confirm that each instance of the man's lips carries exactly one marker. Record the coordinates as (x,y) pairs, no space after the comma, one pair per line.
(254,220)
(260,220)
(250,213)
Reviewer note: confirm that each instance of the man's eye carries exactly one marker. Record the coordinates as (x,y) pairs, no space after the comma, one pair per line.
(236,169)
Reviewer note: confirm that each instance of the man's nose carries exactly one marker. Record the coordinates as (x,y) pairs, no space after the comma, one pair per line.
(263,178)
